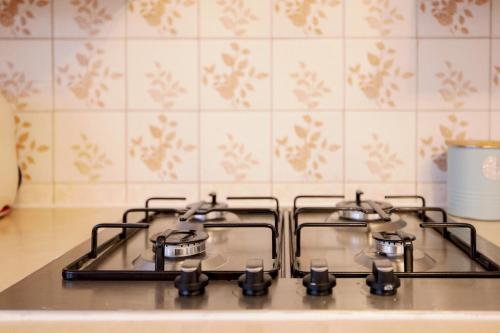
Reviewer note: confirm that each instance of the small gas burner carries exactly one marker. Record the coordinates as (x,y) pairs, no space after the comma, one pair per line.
(365,210)
(204,211)
(391,244)
(181,243)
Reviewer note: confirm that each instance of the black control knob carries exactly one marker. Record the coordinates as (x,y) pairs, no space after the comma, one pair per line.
(382,281)
(319,282)
(254,282)
(191,282)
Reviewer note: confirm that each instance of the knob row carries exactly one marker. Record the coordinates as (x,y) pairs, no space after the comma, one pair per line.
(255,282)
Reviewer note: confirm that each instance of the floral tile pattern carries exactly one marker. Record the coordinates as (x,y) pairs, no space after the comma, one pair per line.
(117,100)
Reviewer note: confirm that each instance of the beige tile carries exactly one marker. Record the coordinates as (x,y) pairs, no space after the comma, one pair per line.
(162,18)
(106,195)
(495,16)
(162,74)
(307,18)
(34,146)
(82,18)
(89,75)
(228,18)
(434,193)
(446,78)
(89,147)
(384,151)
(434,128)
(307,147)
(495,64)
(235,74)
(495,125)
(378,191)
(35,195)
(138,193)
(453,18)
(307,74)
(286,192)
(380,18)
(380,74)
(162,147)
(225,190)
(25,19)
(25,83)
(230,149)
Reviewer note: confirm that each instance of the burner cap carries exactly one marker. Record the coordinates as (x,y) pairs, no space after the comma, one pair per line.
(182,243)
(367,209)
(391,244)
(201,210)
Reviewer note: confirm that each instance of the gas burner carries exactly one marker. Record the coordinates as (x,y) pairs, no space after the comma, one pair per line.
(182,243)
(391,244)
(368,210)
(200,210)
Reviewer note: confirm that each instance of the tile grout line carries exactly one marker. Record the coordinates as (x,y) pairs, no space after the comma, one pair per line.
(490,71)
(271,100)
(53,88)
(344,113)
(125,120)
(198,44)
(417,96)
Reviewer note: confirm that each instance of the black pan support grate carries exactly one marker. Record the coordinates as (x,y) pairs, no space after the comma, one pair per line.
(77,271)
(296,227)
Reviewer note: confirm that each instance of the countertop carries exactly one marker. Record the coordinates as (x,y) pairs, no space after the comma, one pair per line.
(30,238)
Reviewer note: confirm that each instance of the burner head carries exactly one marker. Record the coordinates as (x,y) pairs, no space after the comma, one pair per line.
(369,210)
(391,244)
(201,210)
(182,243)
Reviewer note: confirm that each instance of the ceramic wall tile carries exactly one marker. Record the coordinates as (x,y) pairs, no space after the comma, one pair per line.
(380,74)
(229,18)
(162,75)
(34,146)
(35,195)
(25,19)
(453,18)
(495,125)
(307,147)
(162,147)
(138,193)
(434,193)
(380,146)
(307,18)
(434,128)
(105,195)
(25,83)
(231,151)
(89,75)
(307,75)
(83,154)
(495,73)
(224,190)
(446,78)
(286,192)
(168,19)
(495,18)
(235,74)
(380,18)
(84,18)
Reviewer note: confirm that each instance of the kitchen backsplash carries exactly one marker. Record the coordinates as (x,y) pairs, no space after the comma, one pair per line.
(119,100)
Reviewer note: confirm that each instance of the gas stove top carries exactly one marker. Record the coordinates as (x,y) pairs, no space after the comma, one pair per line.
(262,255)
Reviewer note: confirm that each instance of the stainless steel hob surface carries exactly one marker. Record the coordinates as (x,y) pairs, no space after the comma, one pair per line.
(121,272)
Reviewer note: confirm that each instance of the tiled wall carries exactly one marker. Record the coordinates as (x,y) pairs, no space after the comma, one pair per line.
(117,100)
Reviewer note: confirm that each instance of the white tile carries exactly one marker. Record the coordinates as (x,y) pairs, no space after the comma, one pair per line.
(230,150)
(384,151)
(446,78)
(307,75)
(25,19)
(105,195)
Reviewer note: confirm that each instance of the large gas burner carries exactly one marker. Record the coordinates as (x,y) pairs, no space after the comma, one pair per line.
(365,210)
(391,244)
(181,243)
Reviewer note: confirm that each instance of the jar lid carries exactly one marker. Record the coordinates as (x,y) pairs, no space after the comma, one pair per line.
(488,144)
